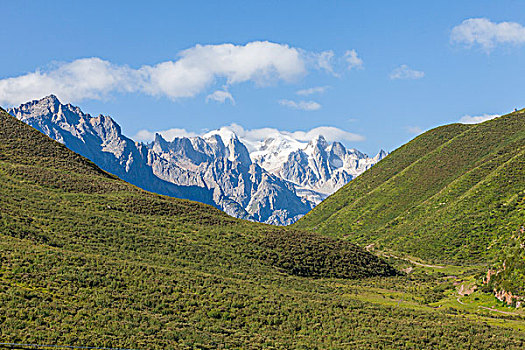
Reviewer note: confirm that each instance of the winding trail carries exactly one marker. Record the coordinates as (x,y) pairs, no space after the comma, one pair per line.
(412,261)
(496,310)
(390,255)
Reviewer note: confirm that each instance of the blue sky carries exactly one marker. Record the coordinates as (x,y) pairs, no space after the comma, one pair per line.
(440,77)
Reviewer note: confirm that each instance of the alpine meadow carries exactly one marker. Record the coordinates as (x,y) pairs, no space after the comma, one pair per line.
(266,175)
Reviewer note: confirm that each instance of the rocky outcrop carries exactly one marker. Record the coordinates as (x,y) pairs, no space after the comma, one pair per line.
(501,294)
(466,289)
(509,299)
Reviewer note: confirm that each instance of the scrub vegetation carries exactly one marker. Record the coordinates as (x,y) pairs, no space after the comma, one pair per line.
(87,259)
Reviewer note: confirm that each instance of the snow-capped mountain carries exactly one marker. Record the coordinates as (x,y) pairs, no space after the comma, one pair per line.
(275,180)
(317,168)
(241,188)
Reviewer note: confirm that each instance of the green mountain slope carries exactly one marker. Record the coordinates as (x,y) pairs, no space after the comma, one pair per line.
(452,194)
(87,259)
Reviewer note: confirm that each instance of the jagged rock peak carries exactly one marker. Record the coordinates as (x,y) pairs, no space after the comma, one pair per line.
(382,154)
(319,141)
(49,100)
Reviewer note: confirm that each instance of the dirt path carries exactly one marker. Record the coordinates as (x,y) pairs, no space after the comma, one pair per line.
(389,255)
(496,310)
(425,265)
(412,261)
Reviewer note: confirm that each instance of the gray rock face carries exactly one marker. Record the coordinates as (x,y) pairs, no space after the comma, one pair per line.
(217,169)
(241,188)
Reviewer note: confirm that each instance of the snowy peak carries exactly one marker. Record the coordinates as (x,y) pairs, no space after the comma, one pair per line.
(382,154)
(224,133)
(236,150)
(317,168)
(319,142)
(226,146)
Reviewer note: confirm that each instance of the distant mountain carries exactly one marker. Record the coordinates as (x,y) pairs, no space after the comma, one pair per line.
(317,169)
(452,194)
(100,139)
(279,181)
(241,188)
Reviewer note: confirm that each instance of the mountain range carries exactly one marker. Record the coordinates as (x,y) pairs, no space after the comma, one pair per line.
(276,181)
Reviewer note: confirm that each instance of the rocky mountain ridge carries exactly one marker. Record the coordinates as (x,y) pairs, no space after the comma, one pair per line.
(278,182)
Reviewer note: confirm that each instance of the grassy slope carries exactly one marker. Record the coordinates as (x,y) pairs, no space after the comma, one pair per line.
(87,259)
(448,195)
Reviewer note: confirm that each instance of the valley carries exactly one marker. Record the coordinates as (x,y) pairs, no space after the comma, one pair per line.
(89,259)
(245,175)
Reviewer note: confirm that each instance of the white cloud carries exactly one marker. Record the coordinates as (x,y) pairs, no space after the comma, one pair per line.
(252,136)
(301,105)
(195,69)
(467,119)
(325,61)
(416,130)
(314,90)
(353,60)
(328,61)
(405,72)
(170,134)
(487,34)
(91,78)
(221,97)
(329,132)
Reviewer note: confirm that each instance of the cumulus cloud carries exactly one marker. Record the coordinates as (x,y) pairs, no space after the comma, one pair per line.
(329,132)
(169,134)
(301,105)
(194,70)
(487,34)
(468,119)
(252,136)
(220,96)
(91,78)
(405,72)
(313,90)
(352,60)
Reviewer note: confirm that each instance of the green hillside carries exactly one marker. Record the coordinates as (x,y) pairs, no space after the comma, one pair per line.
(453,194)
(87,259)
